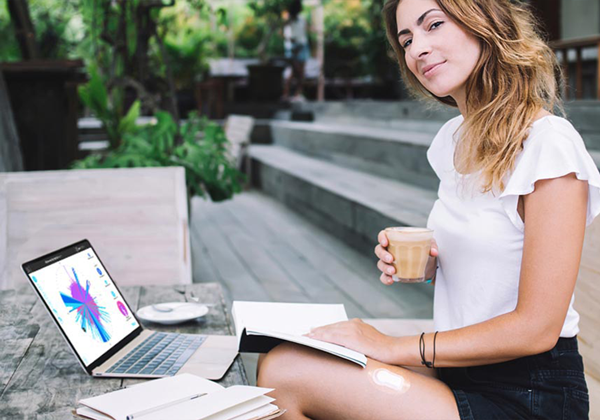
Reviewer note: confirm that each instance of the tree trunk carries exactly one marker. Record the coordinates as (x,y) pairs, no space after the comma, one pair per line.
(24,30)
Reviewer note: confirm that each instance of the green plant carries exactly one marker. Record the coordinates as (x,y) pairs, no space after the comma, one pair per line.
(269,14)
(347,28)
(96,97)
(55,29)
(202,153)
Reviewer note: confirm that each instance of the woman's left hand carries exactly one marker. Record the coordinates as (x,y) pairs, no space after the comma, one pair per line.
(357,335)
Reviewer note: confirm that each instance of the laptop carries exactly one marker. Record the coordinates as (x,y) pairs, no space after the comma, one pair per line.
(104,333)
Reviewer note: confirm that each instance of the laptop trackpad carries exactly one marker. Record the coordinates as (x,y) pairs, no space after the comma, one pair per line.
(213,358)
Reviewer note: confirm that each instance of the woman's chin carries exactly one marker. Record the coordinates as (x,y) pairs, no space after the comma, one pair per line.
(440,93)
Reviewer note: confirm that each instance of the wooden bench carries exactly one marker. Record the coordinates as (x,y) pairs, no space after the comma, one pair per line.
(136,219)
(587,303)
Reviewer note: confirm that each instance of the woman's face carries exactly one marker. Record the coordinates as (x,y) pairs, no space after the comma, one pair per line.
(437,51)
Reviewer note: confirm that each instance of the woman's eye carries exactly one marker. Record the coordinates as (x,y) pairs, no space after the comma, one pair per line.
(435,25)
(406,43)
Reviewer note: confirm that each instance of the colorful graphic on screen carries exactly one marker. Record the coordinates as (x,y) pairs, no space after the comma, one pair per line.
(122,308)
(90,315)
(85,303)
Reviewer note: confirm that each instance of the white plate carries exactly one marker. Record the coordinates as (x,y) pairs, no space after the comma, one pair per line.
(181,312)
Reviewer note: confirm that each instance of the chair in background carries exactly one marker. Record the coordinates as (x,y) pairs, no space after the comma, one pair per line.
(136,219)
(238,130)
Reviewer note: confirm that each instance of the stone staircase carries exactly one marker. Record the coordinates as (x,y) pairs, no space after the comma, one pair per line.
(362,166)
(359,167)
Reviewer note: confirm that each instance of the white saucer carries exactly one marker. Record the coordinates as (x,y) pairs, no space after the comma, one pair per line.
(181,312)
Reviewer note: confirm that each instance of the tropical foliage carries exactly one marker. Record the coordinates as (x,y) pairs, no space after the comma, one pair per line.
(202,152)
(198,145)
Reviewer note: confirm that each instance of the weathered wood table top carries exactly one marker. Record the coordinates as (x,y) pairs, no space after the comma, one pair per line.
(39,376)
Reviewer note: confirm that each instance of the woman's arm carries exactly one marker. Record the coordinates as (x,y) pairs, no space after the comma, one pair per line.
(555,215)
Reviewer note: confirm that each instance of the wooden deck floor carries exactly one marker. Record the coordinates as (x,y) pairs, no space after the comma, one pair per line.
(260,250)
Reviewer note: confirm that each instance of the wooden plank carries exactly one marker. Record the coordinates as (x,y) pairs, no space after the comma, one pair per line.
(204,269)
(587,300)
(594,391)
(356,273)
(274,280)
(239,282)
(135,218)
(315,284)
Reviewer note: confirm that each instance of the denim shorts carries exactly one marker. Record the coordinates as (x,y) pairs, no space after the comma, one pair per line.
(549,385)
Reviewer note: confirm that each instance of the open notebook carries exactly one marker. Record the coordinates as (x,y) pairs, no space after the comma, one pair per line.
(182,397)
(260,326)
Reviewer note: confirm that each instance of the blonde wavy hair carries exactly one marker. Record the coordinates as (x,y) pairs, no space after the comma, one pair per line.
(515,77)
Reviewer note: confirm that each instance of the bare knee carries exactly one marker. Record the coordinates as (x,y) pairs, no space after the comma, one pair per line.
(280,367)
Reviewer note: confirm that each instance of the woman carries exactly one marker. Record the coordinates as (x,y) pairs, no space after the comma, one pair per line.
(517,189)
(296,50)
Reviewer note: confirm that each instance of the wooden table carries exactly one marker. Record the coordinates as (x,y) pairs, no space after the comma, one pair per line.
(40,377)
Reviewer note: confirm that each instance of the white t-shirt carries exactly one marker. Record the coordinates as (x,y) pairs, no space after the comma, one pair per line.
(480,237)
(294,32)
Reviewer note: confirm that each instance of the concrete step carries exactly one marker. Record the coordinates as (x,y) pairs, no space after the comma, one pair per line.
(350,204)
(398,153)
(583,114)
(377,113)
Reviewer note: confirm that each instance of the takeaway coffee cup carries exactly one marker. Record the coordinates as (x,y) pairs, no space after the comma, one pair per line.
(410,247)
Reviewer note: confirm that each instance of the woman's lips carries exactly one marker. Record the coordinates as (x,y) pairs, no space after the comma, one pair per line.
(433,69)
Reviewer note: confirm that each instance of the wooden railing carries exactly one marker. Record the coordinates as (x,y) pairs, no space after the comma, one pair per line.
(578,45)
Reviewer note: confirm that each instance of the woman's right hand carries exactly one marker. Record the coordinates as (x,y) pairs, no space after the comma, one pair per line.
(386,259)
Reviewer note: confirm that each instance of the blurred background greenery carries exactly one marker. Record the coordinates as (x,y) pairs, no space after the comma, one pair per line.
(194,31)
(153,58)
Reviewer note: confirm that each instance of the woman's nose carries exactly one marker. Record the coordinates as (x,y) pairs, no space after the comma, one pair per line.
(420,47)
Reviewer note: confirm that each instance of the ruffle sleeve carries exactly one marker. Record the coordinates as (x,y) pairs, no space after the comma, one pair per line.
(553,152)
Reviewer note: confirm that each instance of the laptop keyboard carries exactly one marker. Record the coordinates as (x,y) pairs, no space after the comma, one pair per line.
(159,354)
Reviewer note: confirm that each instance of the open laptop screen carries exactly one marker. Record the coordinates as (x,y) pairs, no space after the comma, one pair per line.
(83,299)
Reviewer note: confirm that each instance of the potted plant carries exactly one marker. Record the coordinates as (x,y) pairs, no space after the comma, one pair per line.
(198,145)
(266,78)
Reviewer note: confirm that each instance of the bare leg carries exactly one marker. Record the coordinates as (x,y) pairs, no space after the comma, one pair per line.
(287,86)
(299,69)
(421,370)
(311,384)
